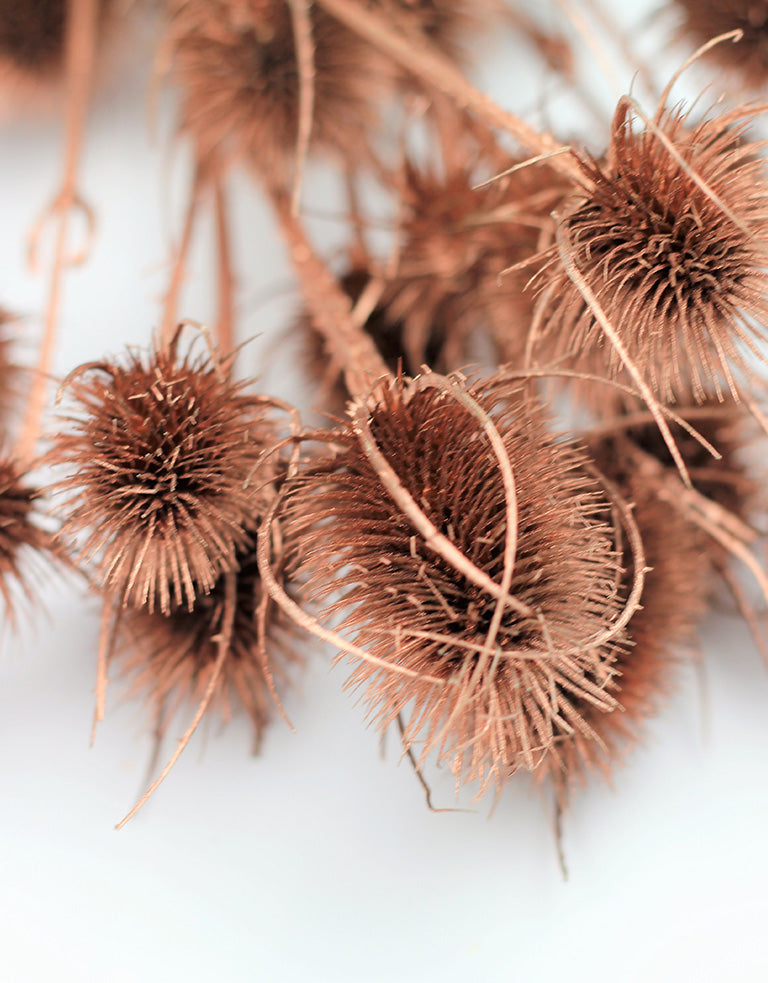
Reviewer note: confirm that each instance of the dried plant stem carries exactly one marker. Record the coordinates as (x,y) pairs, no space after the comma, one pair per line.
(426,62)
(225,334)
(110,620)
(171,302)
(593,44)
(224,642)
(81,30)
(305,62)
(347,343)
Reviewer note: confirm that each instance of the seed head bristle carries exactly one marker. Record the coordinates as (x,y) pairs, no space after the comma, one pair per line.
(170,658)
(486,712)
(159,449)
(678,270)
(235,61)
(706,19)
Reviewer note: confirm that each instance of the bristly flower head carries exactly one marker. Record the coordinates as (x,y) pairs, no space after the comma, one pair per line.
(171,658)
(672,243)
(487,689)
(660,631)
(235,61)
(22,537)
(159,449)
(706,19)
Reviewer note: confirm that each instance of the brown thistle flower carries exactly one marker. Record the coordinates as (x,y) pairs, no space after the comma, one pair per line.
(171,657)
(22,537)
(671,243)
(487,687)
(660,631)
(159,449)
(706,19)
(236,63)
(457,240)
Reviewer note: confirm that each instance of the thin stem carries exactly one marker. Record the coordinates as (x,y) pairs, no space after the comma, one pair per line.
(81,31)
(226,281)
(171,303)
(305,63)
(331,308)
(428,63)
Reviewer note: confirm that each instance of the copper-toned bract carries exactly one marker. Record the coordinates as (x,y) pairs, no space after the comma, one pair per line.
(486,710)
(235,61)
(171,658)
(706,19)
(159,448)
(674,253)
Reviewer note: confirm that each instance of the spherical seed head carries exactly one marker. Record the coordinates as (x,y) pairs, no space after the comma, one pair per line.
(235,61)
(678,270)
(660,631)
(457,240)
(485,712)
(160,451)
(706,19)
(21,534)
(171,658)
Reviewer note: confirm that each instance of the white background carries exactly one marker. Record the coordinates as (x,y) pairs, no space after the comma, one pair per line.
(318,860)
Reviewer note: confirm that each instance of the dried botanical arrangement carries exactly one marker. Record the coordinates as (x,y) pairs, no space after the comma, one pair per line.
(511,595)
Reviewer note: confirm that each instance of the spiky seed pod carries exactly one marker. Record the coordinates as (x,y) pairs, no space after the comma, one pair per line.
(171,658)
(678,268)
(706,19)
(159,448)
(22,536)
(661,630)
(398,350)
(235,62)
(487,711)
(457,240)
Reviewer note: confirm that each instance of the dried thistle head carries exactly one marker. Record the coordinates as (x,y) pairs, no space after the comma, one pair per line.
(171,658)
(660,631)
(458,238)
(488,689)
(672,245)
(235,61)
(22,536)
(706,19)
(159,448)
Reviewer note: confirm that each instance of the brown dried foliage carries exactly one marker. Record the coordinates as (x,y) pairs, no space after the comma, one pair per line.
(706,19)
(681,281)
(159,449)
(235,61)
(487,711)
